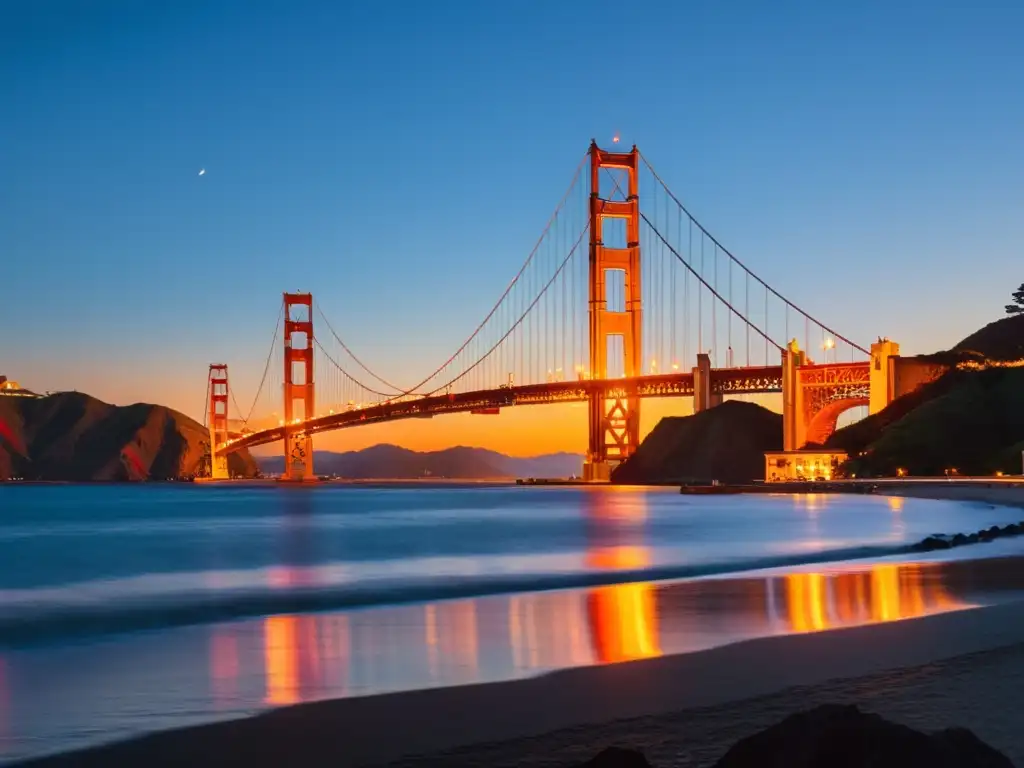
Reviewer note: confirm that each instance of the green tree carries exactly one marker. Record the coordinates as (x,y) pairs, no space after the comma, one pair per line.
(1017,307)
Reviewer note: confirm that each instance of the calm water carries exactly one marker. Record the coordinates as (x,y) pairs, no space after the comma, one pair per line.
(413,588)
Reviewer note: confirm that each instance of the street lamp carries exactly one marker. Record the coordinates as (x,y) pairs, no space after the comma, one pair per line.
(827,345)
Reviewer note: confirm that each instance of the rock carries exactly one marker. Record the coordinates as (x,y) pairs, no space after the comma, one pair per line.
(959,540)
(725,443)
(70,436)
(617,757)
(932,543)
(1011,530)
(838,736)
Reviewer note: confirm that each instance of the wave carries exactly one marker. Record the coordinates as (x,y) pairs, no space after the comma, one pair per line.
(29,623)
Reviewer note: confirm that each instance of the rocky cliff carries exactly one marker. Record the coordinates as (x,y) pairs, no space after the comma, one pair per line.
(71,436)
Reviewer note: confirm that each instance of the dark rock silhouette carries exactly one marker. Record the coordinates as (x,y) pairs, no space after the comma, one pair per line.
(943,541)
(726,443)
(835,736)
(73,437)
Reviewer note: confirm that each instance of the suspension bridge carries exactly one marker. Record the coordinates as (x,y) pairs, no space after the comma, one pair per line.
(622,297)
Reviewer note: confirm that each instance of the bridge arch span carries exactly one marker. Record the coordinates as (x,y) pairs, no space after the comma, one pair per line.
(822,424)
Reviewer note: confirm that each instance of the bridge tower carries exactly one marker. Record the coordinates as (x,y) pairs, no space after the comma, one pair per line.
(884,354)
(298,385)
(614,415)
(217,419)
(794,429)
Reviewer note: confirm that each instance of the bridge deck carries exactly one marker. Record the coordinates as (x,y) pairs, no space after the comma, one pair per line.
(725,381)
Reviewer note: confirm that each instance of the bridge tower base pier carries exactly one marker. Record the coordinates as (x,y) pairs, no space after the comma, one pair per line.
(217,419)
(614,414)
(298,386)
(703,396)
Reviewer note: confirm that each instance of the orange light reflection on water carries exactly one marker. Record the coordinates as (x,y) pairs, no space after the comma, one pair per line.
(281,650)
(885,592)
(623,618)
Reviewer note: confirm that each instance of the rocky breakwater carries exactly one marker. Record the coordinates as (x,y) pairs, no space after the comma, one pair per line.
(945,541)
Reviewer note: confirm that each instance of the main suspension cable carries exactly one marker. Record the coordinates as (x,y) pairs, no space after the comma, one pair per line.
(744,266)
(705,283)
(266,367)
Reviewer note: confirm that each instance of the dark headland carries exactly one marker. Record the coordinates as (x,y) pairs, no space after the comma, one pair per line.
(72,437)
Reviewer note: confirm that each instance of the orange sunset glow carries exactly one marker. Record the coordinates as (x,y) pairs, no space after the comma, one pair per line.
(531,431)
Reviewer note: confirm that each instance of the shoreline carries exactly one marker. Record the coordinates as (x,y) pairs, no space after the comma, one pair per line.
(78,625)
(1006,494)
(518,716)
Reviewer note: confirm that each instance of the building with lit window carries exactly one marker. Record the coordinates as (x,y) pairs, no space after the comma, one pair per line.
(811,464)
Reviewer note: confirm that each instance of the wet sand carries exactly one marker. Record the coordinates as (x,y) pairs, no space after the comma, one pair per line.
(681,710)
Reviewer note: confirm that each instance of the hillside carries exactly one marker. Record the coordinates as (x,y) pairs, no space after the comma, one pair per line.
(73,437)
(970,420)
(724,443)
(395,463)
(1001,340)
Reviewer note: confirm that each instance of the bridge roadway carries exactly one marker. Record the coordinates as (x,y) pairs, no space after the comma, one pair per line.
(725,381)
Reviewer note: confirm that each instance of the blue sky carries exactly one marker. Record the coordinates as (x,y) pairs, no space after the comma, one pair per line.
(399,159)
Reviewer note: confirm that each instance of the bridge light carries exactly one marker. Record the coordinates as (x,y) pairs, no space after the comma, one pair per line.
(675,366)
(829,343)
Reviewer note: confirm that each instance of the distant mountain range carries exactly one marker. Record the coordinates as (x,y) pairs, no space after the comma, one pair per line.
(395,463)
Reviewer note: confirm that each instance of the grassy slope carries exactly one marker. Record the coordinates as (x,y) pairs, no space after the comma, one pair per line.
(972,421)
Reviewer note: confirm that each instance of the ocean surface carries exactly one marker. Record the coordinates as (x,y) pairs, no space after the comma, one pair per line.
(125,609)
